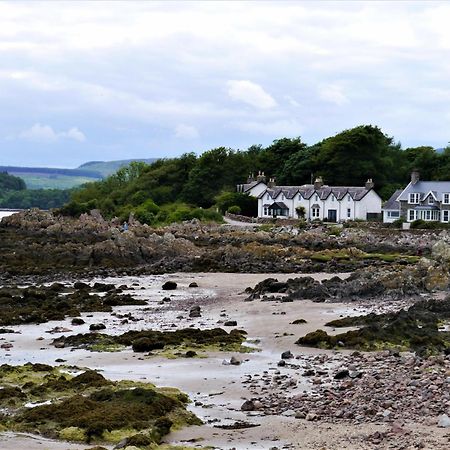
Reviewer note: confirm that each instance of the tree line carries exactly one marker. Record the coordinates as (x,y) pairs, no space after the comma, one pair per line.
(192,186)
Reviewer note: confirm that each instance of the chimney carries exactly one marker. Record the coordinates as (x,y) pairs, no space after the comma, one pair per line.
(272,183)
(415,176)
(318,183)
(261,177)
(250,178)
(370,184)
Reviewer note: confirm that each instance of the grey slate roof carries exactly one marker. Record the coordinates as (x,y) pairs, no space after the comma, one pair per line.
(280,205)
(424,187)
(392,203)
(307,191)
(247,186)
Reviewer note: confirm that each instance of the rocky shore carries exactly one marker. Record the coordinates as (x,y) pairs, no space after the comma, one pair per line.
(160,304)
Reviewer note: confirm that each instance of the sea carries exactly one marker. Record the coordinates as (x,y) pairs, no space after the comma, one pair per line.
(6,213)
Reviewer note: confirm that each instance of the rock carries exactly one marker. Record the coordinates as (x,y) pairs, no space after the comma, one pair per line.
(195,311)
(193,285)
(97,326)
(230,323)
(311,417)
(281,363)
(444,421)
(190,354)
(235,361)
(169,286)
(248,405)
(341,374)
(77,321)
(287,355)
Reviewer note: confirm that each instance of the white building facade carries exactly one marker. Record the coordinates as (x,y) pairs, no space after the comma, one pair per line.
(315,201)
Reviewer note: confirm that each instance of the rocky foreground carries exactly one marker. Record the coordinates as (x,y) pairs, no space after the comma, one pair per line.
(41,243)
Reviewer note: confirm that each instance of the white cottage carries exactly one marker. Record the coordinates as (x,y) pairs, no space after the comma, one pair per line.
(314,201)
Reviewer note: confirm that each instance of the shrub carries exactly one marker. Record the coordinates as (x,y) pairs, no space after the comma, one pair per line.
(235,209)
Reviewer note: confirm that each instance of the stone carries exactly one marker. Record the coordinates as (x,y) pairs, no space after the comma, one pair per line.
(287,355)
(341,374)
(193,285)
(235,361)
(444,421)
(195,311)
(169,286)
(97,326)
(248,405)
(230,323)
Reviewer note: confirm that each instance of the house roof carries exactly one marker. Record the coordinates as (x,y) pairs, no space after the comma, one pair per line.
(392,203)
(248,186)
(280,205)
(424,187)
(307,191)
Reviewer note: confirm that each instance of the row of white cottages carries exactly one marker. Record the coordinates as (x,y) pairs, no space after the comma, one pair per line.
(314,201)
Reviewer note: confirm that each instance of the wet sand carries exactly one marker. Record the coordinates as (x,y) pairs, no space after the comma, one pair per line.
(215,388)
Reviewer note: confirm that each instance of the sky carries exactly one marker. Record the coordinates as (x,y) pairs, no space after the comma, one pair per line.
(83,81)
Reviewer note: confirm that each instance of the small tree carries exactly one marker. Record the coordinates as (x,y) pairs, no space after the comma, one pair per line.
(234,209)
(301,212)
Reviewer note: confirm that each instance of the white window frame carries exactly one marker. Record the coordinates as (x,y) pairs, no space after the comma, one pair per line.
(266,211)
(268,197)
(412,215)
(349,198)
(317,198)
(315,213)
(431,200)
(446,198)
(445,215)
(282,196)
(414,198)
(349,213)
(393,214)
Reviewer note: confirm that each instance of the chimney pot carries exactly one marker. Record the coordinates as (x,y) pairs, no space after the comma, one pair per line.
(415,176)
(370,184)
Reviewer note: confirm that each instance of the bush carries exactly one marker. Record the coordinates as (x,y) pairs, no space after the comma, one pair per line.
(235,209)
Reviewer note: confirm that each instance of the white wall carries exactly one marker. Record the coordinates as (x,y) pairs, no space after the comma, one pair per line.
(371,203)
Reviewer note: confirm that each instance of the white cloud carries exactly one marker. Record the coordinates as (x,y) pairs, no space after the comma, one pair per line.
(183,131)
(75,134)
(251,93)
(46,134)
(334,94)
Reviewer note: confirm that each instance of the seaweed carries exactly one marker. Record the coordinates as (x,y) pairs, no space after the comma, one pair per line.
(39,304)
(88,407)
(149,340)
(415,329)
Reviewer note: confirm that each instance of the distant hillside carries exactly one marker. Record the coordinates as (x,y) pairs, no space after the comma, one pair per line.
(55,178)
(109,167)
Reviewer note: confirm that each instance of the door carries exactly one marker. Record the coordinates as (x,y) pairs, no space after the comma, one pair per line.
(332,215)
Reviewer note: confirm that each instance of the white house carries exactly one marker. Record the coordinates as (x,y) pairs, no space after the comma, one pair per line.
(425,200)
(314,201)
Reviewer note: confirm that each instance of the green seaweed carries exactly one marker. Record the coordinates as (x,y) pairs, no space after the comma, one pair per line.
(415,329)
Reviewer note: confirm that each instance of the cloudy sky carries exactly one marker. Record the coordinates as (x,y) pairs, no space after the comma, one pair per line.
(84,81)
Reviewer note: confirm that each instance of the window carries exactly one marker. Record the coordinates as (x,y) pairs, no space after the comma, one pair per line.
(414,198)
(446,199)
(445,215)
(349,213)
(282,196)
(317,198)
(332,198)
(349,199)
(299,197)
(315,213)
(268,196)
(393,214)
(266,211)
(411,215)
(431,200)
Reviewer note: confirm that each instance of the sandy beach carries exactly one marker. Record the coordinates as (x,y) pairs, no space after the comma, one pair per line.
(216,388)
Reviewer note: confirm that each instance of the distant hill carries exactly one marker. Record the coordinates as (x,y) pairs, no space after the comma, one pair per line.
(55,178)
(109,167)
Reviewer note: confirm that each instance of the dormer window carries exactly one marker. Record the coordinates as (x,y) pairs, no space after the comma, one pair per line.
(349,198)
(430,200)
(268,197)
(414,198)
(282,196)
(317,198)
(446,199)
(332,198)
(299,197)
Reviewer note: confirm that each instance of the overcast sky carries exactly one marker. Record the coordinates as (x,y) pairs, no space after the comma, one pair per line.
(84,81)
